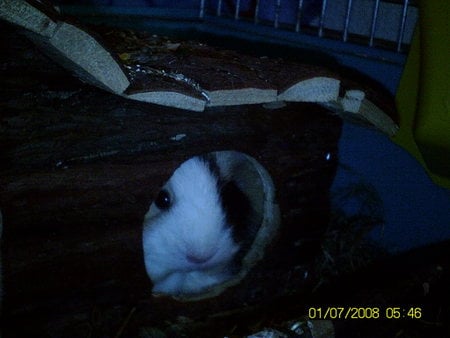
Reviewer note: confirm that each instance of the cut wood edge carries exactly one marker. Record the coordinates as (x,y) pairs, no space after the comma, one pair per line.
(236,97)
(352,100)
(27,16)
(317,89)
(370,112)
(85,55)
(355,107)
(355,101)
(79,52)
(72,47)
(169,99)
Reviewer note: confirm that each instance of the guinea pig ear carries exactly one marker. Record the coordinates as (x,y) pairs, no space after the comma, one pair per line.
(240,214)
(235,203)
(249,197)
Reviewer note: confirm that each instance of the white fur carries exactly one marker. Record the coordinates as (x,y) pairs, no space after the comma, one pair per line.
(193,226)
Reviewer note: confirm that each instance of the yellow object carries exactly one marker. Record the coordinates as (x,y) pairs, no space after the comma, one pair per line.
(124,56)
(423,97)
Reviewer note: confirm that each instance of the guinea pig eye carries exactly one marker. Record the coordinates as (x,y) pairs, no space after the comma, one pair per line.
(163,200)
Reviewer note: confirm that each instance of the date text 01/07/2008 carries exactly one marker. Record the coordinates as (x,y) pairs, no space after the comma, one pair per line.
(345,312)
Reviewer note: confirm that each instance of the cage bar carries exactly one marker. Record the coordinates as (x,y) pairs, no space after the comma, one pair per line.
(328,18)
(201,13)
(374,22)
(322,18)
(256,12)
(402,26)
(347,20)
(236,12)
(299,16)
(277,13)
(219,8)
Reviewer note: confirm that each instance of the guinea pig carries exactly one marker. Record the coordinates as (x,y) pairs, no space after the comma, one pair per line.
(197,229)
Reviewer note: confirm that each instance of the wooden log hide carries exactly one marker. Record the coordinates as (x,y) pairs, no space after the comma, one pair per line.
(79,169)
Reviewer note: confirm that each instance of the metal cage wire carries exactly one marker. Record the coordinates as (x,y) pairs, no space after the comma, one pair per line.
(335,19)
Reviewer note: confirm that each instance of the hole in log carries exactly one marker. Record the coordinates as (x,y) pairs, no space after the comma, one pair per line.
(209,225)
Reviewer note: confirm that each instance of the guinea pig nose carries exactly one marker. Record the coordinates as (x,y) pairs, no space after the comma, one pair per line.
(198,258)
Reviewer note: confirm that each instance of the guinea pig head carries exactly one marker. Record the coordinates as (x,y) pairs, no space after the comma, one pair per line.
(188,245)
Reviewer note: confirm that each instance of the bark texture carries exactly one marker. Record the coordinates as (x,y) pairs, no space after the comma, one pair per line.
(79,168)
